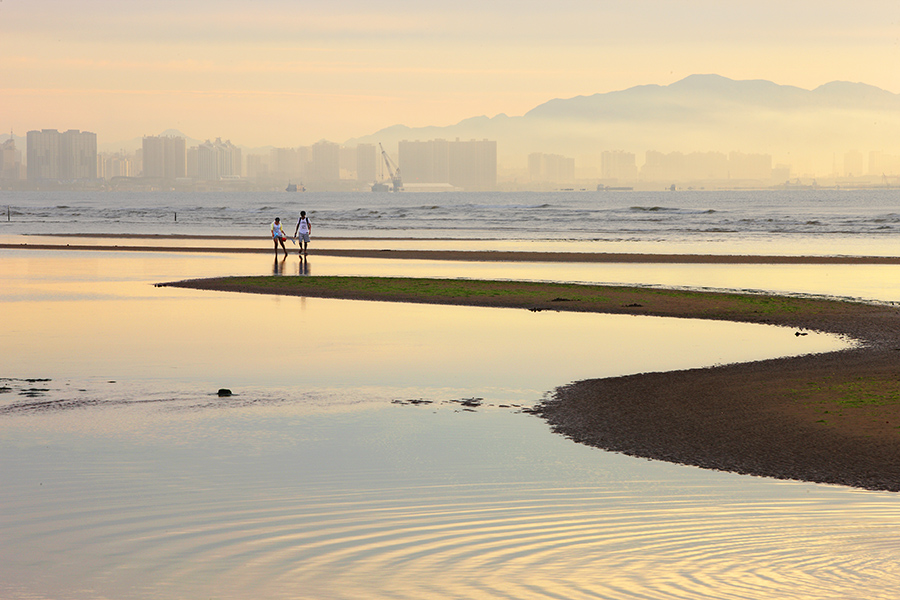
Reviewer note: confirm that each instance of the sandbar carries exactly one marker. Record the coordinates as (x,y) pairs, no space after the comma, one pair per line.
(826,418)
(452,255)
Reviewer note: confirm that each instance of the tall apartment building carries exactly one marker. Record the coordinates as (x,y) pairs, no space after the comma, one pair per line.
(164,157)
(218,160)
(882,163)
(326,162)
(10,160)
(66,156)
(289,164)
(366,163)
(551,168)
(695,166)
(257,166)
(348,162)
(471,165)
(618,165)
(117,164)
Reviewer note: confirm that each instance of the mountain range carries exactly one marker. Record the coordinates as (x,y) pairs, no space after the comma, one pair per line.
(699,113)
(696,114)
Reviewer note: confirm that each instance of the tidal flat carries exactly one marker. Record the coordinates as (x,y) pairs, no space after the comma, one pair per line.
(136,481)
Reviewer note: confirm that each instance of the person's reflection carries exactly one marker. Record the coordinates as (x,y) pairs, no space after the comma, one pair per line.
(303,267)
(278,269)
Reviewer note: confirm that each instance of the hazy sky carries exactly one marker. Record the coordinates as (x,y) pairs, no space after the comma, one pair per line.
(292,72)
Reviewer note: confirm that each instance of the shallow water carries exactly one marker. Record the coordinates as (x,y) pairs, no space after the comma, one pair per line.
(712,221)
(371,450)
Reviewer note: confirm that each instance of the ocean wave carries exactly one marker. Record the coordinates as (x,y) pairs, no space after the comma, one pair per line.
(652,208)
(638,215)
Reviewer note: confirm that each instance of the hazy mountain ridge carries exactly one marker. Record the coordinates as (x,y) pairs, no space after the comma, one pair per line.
(703,112)
(701,93)
(698,113)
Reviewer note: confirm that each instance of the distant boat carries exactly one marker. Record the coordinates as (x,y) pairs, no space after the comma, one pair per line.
(379,186)
(292,187)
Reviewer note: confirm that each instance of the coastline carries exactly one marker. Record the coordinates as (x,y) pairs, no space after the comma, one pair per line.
(473,255)
(827,418)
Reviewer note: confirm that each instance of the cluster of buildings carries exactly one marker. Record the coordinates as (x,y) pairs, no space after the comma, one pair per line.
(61,156)
(70,159)
(468,165)
(551,168)
(323,164)
(620,168)
(167,159)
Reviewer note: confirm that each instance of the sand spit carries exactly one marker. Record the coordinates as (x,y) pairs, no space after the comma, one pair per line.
(828,418)
(463,255)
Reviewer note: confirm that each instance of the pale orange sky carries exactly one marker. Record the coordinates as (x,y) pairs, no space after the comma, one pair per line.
(288,73)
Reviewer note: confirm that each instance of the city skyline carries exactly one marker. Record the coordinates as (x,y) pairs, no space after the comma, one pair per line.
(805,131)
(287,73)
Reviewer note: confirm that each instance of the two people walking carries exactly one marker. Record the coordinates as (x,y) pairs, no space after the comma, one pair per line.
(301,233)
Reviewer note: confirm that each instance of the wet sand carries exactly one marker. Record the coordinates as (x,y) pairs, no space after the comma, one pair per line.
(455,255)
(829,418)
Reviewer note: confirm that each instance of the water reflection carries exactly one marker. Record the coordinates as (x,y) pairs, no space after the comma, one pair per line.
(303,266)
(125,476)
(406,502)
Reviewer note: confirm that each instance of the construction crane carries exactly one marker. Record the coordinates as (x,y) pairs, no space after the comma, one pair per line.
(393,171)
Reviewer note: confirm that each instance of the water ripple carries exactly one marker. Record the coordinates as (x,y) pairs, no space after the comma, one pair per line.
(446,542)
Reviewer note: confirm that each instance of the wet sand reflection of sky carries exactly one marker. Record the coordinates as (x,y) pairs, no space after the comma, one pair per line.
(311,479)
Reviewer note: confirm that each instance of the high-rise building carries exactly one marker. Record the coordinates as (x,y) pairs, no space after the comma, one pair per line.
(78,155)
(164,157)
(883,164)
(326,162)
(417,162)
(471,165)
(257,166)
(55,156)
(618,166)
(289,164)
(115,165)
(551,168)
(218,160)
(348,162)
(10,159)
(366,161)
(699,166)
(192,162)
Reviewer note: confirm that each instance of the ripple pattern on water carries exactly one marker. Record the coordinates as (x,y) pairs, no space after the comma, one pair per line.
(469,541)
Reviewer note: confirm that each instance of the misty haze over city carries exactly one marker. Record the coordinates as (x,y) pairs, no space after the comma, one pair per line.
(574,95)
(706,130)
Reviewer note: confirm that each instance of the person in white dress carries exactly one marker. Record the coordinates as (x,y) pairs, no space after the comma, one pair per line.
(278,236)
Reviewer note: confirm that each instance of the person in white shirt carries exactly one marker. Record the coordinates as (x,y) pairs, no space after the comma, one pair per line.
(278,236)
(302,231)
